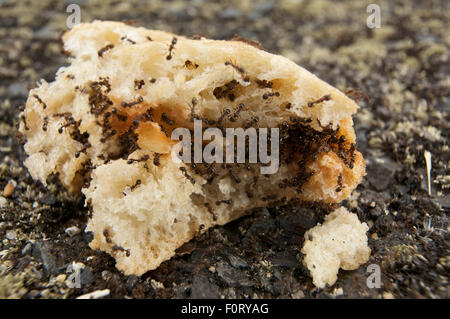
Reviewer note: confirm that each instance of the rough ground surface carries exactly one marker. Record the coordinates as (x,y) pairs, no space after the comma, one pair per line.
(403,68)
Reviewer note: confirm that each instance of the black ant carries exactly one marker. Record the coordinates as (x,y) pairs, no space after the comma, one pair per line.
(162,129)
(235,115)
(339,181)
(267,95)
(129,40)
(44,126)
(239,69)
(185,173)
(24,120)
(220,92)
(120,117)
(69,121)
(322,99)
(224,201)
(233,176)
(189,65)
(358,96)
(165,119)
(107,236)
(142,159)
(264,84)
(119,248)
(104,49)
(108,135)
(83,150)
(172,46)
(138,84)
(156,159)
(40,101)
(130,104)
(138,182)
(211,211)
(253,121)
(225,113)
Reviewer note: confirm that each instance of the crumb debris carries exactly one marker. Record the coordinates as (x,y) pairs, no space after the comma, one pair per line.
(340,242)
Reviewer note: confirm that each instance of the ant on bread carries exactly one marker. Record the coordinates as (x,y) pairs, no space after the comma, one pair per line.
(172,46)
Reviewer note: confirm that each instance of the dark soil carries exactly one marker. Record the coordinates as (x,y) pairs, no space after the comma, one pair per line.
(402,69)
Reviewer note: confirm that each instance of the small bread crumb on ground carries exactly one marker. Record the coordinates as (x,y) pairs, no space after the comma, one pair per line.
(340,242)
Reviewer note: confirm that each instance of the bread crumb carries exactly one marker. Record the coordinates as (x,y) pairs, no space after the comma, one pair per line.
(341,242)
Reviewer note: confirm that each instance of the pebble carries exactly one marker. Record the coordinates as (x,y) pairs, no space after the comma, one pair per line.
(11,234)
(9,188)
(3,202)
(388,295)
(298,295)
(61,278)
(72,231)
(27,249)
(338,292)
(3,253)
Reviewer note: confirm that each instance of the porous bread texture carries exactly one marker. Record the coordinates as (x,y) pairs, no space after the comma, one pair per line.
(340,242)
(103,126)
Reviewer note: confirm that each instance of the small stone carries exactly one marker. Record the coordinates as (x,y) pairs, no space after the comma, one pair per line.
(27,249)
(86,277)
(298,295)
(374,236)
(388,295)
(237,262)
(72,231)
(131,282)
(42,250)
(337,292)
(106,275)
(3,202)
(11,234)
(61,278)
(9,188)
(3,253)
(156,284)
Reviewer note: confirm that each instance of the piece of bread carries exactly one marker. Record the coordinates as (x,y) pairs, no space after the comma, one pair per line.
(340,242)
(104,126)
